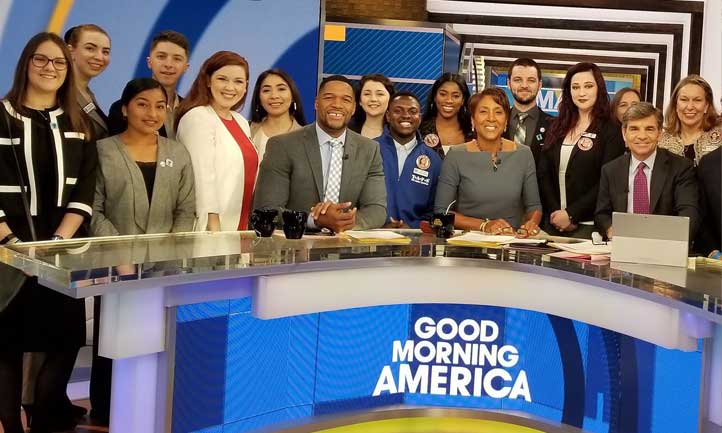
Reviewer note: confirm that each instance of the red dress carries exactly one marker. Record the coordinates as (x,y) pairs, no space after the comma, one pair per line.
(250,168)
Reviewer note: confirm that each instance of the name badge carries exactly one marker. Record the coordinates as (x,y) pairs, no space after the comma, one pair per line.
(88,108)
(589,134)
(421,172)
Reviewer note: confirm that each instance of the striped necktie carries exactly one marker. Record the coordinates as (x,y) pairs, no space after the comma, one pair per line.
(520,133)
(333,183)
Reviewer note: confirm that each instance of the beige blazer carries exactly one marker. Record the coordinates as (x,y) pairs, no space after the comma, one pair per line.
(121,202)
(217,164)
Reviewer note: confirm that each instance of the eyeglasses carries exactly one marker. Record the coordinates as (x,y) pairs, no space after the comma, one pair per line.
(40,60)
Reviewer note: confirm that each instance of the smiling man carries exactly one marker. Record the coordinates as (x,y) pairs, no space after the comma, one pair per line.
(326,168)
(167,61)
(411,170)
(527,123)
(649,179)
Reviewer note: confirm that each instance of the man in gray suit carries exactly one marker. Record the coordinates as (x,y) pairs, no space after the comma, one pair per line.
(326,168)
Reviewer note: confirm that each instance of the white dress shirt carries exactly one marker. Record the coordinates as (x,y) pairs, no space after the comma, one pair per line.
(323,143)
(633,164)
(403,151)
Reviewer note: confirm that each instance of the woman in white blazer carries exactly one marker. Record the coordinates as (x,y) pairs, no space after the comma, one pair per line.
(225,161)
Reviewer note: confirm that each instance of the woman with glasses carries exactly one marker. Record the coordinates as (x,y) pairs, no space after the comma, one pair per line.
(490,182)
(48,170)
(90,47)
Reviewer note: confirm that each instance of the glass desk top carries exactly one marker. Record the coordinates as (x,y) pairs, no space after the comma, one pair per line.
(76,264)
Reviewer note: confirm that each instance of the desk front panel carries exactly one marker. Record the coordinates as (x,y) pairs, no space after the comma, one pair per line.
(236,373)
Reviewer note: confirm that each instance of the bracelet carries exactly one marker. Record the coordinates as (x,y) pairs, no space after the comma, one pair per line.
(7,239)
(483,225)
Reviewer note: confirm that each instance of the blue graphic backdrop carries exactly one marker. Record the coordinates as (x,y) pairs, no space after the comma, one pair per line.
(235,373)
(268,33)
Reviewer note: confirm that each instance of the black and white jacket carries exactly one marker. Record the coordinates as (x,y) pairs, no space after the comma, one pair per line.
(73,183)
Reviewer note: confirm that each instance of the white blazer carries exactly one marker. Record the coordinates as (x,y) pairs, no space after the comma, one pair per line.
(217,164)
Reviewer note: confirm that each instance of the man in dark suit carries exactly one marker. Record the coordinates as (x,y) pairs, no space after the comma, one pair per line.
(325,167)
(648,179)
(710,181)
(527,122)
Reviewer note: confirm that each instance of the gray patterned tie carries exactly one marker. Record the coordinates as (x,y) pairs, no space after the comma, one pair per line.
(333,184)
(520,133)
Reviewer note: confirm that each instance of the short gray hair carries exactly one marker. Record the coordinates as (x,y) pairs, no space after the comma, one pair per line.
(640,111)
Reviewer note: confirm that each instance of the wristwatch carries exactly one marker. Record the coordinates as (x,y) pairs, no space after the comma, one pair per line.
(57,238)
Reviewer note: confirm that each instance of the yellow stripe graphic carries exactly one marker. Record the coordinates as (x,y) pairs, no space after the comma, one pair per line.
(60,14)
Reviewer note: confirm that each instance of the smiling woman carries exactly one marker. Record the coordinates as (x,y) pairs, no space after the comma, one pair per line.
(580,141)
(276,107)
(487,195)
(90,47)
(46,197)
(692,126)
(225,160)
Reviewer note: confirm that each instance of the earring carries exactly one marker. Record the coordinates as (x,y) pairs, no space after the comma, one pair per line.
(294,106)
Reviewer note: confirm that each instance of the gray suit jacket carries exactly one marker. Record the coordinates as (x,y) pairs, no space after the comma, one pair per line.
(121,202)
(291,176)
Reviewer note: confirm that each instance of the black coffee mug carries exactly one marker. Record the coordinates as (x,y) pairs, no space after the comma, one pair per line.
(443,224)
(263,221)
(294,223)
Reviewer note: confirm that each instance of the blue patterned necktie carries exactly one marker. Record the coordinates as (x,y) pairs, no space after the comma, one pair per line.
(333,184)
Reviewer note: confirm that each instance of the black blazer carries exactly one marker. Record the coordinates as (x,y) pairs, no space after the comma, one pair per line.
(710,182)
(673,189)
(583,171)
(540,130)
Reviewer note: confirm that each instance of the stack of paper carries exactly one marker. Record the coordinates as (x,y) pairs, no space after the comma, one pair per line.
(584,247)
(478,239)
(377,236)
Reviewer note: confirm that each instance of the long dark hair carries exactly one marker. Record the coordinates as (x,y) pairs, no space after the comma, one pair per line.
(258,113)
(66,94)
(463,115)
(200,93)
(568,112)
(359,116)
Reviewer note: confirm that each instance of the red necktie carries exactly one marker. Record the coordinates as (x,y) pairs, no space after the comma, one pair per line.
(641,194)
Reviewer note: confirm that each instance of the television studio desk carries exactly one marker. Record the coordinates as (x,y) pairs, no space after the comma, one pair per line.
(227,332)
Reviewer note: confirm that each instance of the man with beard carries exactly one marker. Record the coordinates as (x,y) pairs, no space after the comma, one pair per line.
(411,169)
(527,123)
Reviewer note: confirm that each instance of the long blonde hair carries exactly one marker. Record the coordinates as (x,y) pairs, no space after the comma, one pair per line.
(671,122)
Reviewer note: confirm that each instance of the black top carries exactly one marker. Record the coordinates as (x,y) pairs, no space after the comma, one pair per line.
(429,135)
(590,153)
(709,172)
(148,171)
(60,178)
(689,151)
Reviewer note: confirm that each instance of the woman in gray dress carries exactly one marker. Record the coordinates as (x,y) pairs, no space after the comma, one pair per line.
(491,180)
